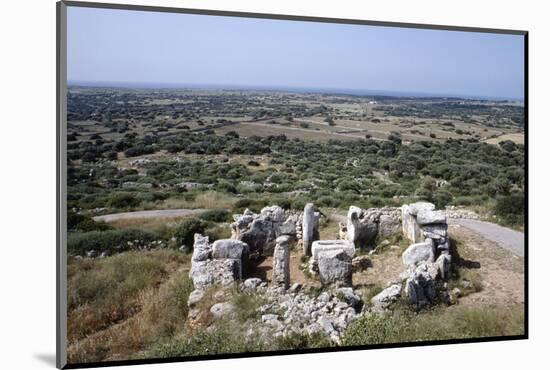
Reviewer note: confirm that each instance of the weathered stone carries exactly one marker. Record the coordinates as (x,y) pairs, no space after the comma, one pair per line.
(335,268)
(269,317)
(435,231)
(418,252)
(288,228)
(388,226)
(260,236)
(229,248)
(361,228)
(222,309)
(417,207)
(443,264)
(274,213)
(382,300)
(444,245)
(308,228)
(281,262)
(294,288)
(320,246)
(420,286)
(209,272)
(349,296)
(259,231)
(201,248)
(326,324)
(428,217)
(251,284)
(411,229)
(194,297)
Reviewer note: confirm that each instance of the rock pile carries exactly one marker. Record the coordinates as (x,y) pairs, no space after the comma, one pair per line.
(458,212)
(295,311)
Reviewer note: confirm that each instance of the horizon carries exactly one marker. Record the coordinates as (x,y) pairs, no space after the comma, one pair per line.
(130,85)
(150,48)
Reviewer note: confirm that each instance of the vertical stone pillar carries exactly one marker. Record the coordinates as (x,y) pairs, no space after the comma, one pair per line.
(308,223)
(281,262)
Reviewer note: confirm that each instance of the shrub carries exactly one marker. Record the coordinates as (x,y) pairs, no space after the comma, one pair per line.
(123,200)
(78,222)
(216,215)
(185,232)
(510,208)
(441,198)
(218,232)
(226,187)
(152,196)
(81,242)
(254,205)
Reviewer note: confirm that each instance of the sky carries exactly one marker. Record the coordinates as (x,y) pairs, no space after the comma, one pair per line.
(150,48)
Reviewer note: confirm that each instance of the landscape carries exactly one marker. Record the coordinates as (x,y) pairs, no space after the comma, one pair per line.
(216,218)
(200,156)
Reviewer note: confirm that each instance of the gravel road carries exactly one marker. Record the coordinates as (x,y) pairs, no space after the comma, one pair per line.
(506,238)
(160,213)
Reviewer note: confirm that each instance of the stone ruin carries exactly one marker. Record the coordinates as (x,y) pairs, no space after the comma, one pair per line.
(365,225)
(274,231)
(221,262)
(260,231)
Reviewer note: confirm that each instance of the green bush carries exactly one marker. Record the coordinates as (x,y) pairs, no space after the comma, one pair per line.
(185,232)
(216,215)
(511,208)
(441,198)
(78,222)
(123,200)
(254,205)
(113,240)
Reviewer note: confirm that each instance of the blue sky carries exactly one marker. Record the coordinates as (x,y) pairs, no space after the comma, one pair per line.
(165,48)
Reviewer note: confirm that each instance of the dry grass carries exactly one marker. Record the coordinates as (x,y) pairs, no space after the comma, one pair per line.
(516,138)
(439,324)
(149,224)
(121,304)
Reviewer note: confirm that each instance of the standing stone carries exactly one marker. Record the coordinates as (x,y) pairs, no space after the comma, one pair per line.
(419,252)
(281,262)
(362,228)
(201,248)
(308,225)
(388,226)
(411,228)
(335,268)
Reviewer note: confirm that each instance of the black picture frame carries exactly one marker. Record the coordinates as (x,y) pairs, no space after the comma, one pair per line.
(61,217)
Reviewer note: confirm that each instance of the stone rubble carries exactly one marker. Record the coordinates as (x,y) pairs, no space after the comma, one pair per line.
(286,313)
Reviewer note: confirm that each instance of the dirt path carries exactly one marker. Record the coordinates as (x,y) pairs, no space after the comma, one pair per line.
(506,238)
(159,213)
(501,271)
